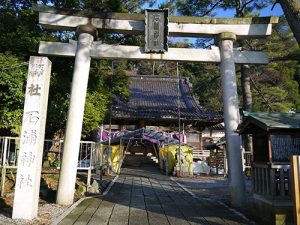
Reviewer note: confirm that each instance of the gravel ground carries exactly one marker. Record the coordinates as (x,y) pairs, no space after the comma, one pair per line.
(46,215)
(47,212)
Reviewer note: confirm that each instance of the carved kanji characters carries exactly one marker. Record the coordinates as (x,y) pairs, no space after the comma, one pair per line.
(27,159)
(32,117)
(34,90)
(25,181)
(29,137)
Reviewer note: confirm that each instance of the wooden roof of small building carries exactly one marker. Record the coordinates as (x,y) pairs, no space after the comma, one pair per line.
(155,98)
(266,121)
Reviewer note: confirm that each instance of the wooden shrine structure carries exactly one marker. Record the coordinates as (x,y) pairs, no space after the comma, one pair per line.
(276,137)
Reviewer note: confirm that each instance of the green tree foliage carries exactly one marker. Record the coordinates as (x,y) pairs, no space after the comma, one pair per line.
(275,87)
(19,31)
(208,8)
(59,96)
(108,80)
(101,6)
(20,35)
(206,82)
(12,75)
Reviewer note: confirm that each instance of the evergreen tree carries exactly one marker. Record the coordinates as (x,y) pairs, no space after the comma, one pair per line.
(279,91)
(13,72)
(291,9)
(20,35)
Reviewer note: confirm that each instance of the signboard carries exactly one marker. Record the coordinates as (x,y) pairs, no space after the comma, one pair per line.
(156,30)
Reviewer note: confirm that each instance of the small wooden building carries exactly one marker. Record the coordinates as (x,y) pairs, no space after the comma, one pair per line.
(276,137)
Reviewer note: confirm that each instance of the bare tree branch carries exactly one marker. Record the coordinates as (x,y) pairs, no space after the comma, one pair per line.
(212,8)
(290,56)
(213,79)
(260,93)
(276,2)
(244,6)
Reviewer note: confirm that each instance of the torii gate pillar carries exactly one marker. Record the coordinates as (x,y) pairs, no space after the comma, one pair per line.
(231,118)
(67,178)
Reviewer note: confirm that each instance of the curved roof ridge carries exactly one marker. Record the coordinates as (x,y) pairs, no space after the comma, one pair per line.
(160,77)
(156,97)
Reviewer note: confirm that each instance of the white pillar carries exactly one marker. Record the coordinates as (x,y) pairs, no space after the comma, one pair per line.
(30,156)
(231,119)
(67,179)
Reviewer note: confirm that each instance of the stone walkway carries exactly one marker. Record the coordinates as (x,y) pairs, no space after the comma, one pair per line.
(144,196)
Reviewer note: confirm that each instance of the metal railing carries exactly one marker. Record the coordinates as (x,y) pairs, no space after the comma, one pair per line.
(87,155)
(52,154)
(9,151)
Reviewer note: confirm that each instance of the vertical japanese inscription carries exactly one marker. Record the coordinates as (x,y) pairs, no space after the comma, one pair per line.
(31,123)
(157,42)
(32,139)
(156,31)
(25,181)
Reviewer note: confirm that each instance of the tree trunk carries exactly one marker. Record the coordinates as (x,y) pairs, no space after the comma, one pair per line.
(291,9)
(247,105)
(246,89)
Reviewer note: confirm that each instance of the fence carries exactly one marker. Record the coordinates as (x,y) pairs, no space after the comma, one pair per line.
(273,181)
(200,154)
(52,154)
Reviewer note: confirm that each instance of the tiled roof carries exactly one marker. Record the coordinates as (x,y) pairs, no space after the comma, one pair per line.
(219,126)
(156,97)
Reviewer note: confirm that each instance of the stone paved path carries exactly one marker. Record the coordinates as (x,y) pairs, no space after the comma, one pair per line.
(144,196)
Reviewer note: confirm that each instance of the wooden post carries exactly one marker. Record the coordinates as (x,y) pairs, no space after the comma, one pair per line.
(270,148)
(89,177)
(200,141)
(295,169)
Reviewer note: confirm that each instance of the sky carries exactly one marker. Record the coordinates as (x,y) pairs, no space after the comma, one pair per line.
(277,11)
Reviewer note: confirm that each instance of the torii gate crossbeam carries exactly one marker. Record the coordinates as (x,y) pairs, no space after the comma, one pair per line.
(104,51)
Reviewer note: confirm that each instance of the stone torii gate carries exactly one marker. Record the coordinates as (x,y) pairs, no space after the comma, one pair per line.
(87,24)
